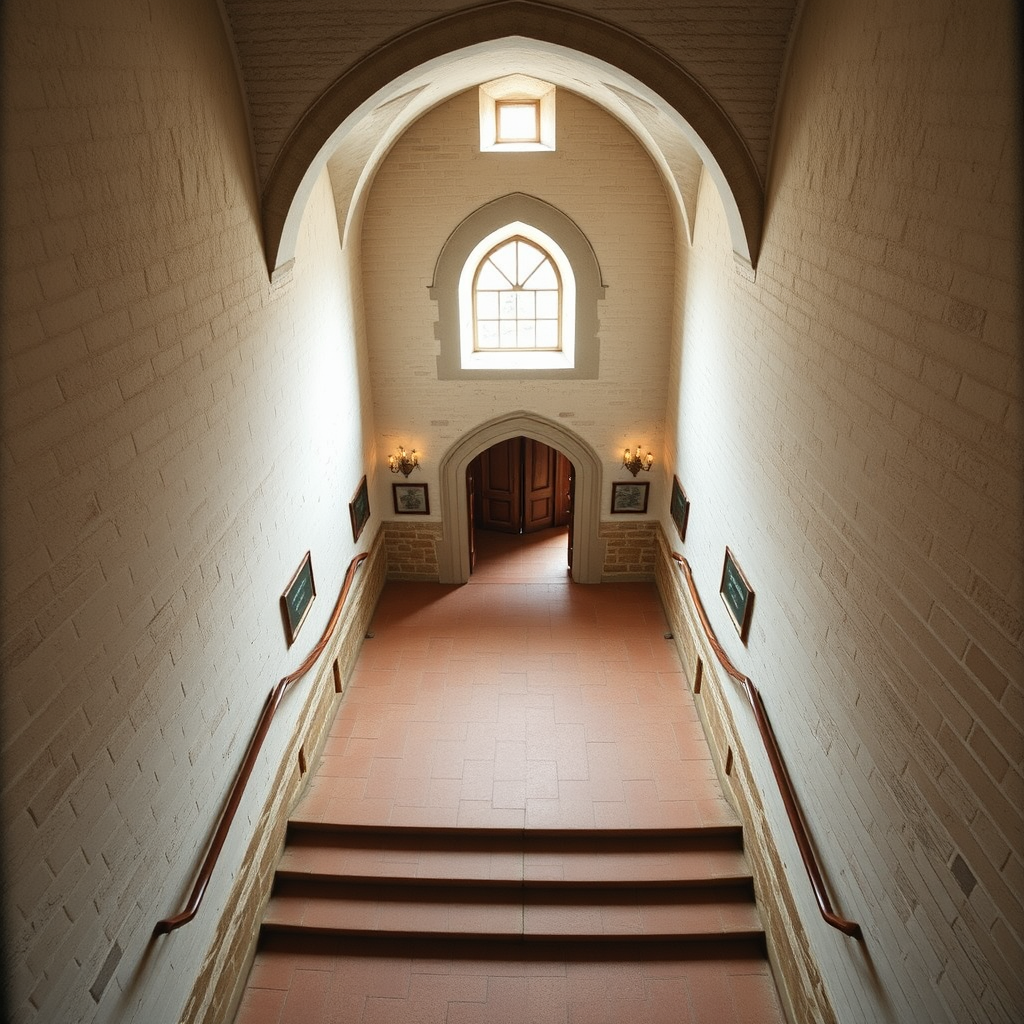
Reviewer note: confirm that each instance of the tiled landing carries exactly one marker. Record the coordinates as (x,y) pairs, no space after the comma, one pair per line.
(517,762)
(413,985)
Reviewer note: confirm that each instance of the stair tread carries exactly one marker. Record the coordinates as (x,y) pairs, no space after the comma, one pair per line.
(514,884)
(634,868)
(527,915)
(299,826)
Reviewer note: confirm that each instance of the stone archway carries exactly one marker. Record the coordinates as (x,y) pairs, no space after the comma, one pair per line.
(409,65)
(453,548)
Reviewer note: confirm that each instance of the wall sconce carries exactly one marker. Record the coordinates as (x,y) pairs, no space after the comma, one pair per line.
(634,461)
(404,462)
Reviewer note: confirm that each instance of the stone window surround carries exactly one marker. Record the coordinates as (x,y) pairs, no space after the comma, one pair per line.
(509,89)
(518,208)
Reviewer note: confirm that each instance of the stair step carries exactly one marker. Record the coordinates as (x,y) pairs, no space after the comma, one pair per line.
(510,951)
(686,886)
(501,912)
(439,858)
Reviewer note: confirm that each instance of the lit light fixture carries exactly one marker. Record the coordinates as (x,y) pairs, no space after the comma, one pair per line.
(634,461)
(404,462)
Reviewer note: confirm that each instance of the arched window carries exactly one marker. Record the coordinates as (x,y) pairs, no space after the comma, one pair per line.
(517,299)
(517,302)
(517,286)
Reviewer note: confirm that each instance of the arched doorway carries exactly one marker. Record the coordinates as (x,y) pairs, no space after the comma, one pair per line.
(588,549)
(520,488)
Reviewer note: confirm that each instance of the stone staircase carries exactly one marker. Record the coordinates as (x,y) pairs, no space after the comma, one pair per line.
(515,820)
(575,888)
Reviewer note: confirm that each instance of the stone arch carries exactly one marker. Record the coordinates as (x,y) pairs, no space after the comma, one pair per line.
(588,548)
(612,51)
(590,288)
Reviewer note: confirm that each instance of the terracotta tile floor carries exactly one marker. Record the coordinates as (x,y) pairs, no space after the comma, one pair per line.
(518,701)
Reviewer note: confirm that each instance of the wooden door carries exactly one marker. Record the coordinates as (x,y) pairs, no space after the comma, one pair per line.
(563,495)
(471,511)
(519,486)
(570,503)
(500,474)
(540,485)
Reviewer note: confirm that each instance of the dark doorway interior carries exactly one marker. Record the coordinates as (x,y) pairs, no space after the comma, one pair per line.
(520,486)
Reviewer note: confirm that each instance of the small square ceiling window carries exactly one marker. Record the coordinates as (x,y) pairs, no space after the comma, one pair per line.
(518,121)
(517,115)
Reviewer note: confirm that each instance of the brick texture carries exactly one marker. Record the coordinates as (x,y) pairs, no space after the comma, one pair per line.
(849,424)
(169,454)
(631,549)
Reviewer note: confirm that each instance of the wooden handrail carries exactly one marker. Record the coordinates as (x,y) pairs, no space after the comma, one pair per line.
(169,924)
(779,770)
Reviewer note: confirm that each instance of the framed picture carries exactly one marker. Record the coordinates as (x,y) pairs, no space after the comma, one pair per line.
(629,496)
(679,507)
(736,595)
(297,599)
(411,499)
(359,509)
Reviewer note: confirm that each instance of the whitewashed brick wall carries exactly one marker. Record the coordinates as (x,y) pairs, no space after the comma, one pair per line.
(176,436)
(432,179)
(850,425)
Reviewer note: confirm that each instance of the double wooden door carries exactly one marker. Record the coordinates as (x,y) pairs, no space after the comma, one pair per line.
(520,486)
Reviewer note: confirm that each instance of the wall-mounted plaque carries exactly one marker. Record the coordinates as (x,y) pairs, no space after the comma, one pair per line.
(359,509)
(679,507)
(297,598)
(736,595)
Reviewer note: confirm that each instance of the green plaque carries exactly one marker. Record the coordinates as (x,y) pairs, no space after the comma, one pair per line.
(736,595)
(297,598)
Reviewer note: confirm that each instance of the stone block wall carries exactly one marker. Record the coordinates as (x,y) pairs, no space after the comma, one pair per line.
(632,548)
(220,983)
(412,550)
(748,785)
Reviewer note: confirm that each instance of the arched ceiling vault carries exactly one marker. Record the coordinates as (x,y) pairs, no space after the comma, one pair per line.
(354,123)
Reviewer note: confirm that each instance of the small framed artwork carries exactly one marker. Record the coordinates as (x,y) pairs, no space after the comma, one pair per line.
(736,595)
(411,499)
(629,496)
(679,507)
(297,599)
(359,509)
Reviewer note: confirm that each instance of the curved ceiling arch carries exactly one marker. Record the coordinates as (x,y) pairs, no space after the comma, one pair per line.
(362,114)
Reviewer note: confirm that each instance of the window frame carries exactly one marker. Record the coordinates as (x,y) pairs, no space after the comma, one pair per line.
(501,139)
(517,89)
(517,288)
(563,358)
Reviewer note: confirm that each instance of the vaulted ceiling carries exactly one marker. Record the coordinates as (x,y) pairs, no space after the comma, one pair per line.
(329,84)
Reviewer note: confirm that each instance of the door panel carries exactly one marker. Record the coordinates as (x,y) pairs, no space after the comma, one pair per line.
(520,486)
(571,506)
(563,503)
(471,511)
(501,495)
(540,482)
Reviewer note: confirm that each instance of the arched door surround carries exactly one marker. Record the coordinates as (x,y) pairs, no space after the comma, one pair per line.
(588,548)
